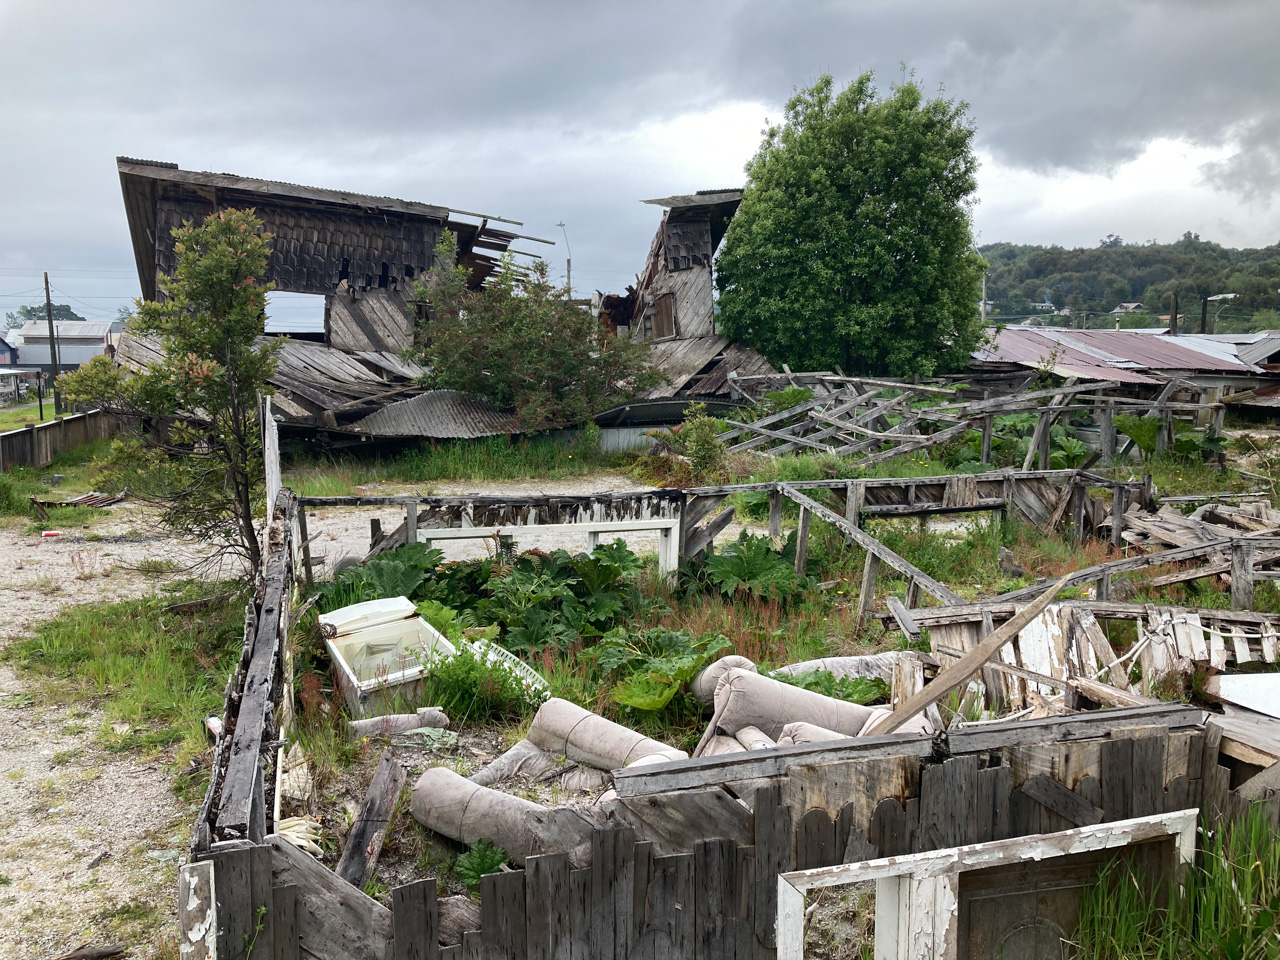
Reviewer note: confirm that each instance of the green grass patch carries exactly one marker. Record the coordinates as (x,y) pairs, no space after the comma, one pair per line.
(15,418)
(159,671)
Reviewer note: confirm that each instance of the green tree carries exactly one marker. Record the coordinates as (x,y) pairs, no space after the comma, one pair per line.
(520,342)
(196,449)
(26,313)
(852,244)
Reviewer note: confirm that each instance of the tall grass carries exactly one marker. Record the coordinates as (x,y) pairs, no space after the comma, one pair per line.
(1230,909)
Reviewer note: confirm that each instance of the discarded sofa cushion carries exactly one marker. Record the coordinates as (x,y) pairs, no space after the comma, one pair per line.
(564,729)
(703,686)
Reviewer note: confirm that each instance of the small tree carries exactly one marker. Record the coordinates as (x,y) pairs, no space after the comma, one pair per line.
(852,244)
(62,313)
(521,343)
(196,446)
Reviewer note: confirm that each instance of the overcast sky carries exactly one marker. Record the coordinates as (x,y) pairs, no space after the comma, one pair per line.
(1092,116)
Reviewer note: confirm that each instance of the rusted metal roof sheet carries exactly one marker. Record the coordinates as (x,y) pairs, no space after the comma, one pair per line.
(443,414)
(1122,355)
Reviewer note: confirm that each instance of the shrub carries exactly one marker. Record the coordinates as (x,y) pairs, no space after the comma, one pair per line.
(854,689)
(750,565)
(469,689)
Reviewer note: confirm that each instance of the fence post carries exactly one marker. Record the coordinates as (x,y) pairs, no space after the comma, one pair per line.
(802,540)
(1117,514)
(855,495)
(988,428)
(1107,428)
(415,921)
(775,513)
(306,541)
(1045,437)
(1241,574)
(867,595)
(411,522)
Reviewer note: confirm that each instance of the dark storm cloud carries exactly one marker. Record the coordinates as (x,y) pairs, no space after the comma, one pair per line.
(531,110)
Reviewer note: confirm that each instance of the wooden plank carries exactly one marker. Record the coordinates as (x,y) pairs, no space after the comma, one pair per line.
(198,911)
(683,775)
(802,541)
(872,545)
(234,892)
(1048,792)
(773,839)
(816,841)
(284,910)
(262,916)
(1116,776)
(335,920)
(414,921)
(1241,574)
(950,677)
(673,907)
(580,914)
(502,915)
(715,899)
(547,907)
(867,592)
(612,876)
(675,822)
(364,842)
(903,618)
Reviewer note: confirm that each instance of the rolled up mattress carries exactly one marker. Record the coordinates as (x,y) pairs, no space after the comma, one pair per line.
(747,699)
(564,729)
(703,686)
(456,808)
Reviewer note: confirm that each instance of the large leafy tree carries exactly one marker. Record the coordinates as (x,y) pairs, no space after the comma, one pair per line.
(852,245)
(196,447)
(522,343)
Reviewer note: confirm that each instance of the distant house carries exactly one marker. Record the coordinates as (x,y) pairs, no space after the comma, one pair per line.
(78,343)
(1127,308)
(8,353)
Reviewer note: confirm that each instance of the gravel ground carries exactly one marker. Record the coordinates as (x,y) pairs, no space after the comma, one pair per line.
(89,840)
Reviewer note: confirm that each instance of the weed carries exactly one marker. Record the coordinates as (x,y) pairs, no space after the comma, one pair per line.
(156,567)
(63,757)
(160,671)
(482,858)
(651,664)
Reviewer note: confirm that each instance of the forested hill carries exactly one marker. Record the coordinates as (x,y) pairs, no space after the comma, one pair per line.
(1093,281)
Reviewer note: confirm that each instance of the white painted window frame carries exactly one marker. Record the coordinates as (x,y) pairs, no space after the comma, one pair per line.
(917,896)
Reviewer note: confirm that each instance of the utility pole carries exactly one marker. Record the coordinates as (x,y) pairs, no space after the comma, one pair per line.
(1204,315)
(568,261)
(1173,315)
(53,347)
(984,298)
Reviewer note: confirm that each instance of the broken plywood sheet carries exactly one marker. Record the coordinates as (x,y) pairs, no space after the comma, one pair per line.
(1259,692)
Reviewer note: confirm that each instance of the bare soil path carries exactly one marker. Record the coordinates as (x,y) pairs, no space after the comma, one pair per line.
(89,839)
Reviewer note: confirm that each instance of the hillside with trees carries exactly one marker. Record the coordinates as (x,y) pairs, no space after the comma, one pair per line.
(1094,281)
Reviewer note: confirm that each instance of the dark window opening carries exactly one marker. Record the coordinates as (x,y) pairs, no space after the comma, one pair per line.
(345,272)
(384,278)
(408,271)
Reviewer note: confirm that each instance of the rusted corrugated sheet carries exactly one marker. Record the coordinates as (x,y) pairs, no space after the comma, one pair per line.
(1123,355)
(443,414)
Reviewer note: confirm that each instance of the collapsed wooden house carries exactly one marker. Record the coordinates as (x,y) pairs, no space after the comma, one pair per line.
(362,254)
(673,303)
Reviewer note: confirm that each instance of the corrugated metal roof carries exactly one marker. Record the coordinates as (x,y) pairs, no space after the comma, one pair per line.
(444,414)
(38,330)
(1110,354)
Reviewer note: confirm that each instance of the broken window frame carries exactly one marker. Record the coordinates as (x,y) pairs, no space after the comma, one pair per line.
(918,896)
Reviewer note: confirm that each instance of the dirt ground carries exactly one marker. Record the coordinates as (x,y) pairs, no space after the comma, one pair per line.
(89,840)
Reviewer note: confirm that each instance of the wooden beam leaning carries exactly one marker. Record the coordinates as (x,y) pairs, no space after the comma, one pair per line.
(871,545)
(364,842)
(240,809)
(957,673)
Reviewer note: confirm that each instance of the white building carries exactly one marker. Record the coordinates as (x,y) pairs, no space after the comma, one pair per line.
(78,343)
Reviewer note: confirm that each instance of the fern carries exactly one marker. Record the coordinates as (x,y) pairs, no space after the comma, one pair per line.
(482,858)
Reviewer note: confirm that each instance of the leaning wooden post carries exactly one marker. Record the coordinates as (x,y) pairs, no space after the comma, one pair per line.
(1117,514)
(1162,439)
(775,513)
(306,541)
(1046,435)
(1107,428)
(411,522)
(1241,574)
(1103,591)
(802,540)
(1078,498)
(912,594)
(988,427)
(867,595)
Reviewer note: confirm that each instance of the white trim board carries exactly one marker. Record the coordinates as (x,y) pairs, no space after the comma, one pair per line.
(917,896)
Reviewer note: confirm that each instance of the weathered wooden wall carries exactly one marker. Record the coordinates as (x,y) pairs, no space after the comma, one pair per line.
(36,446)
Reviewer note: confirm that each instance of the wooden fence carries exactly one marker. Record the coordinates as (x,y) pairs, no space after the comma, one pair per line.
(35,446)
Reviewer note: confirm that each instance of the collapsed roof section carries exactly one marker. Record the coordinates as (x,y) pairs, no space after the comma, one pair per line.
(673,302)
